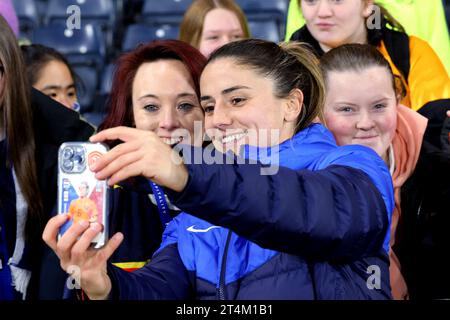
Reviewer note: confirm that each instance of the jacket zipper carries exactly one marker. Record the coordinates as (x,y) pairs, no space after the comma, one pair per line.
(221,289)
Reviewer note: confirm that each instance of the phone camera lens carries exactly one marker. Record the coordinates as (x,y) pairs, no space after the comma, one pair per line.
(67,153)
(68,165)
(73,158)
(78,159)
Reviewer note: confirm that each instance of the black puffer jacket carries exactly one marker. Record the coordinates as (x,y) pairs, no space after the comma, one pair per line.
(423,235)
(53,125)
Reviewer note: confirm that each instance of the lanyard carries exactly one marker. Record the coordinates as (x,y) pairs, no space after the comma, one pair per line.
(163,208)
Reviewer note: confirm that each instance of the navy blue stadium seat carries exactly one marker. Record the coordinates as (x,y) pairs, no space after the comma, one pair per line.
(81,47)
(266,10)
(86,86)
(266,30)
(138,33)
(28,15)
(106,79)
(100,10)
(264,7)
(164,12)
(102,13)
(86,92)
(99,108)
(94,118)
(42,6)
(105,85)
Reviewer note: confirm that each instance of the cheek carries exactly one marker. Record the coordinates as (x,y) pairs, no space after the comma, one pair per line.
(204,48)
(342,129)
(64,101)
(209,122)
(145,121)
(389,126)
(193,121)
(207,52)
(307,12)
(353,26)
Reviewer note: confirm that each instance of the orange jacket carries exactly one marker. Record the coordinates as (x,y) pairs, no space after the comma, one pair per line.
(428,80)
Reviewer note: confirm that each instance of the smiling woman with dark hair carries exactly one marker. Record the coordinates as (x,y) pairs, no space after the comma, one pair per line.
(156,89)
(314,229)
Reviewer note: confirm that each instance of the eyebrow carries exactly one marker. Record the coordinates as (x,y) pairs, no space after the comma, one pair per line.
(345,103)
(218,30)
(224,92)
(55,87)
(181,95)
(384,99)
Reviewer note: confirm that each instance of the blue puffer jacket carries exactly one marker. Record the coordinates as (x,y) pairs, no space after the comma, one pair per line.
(317,233)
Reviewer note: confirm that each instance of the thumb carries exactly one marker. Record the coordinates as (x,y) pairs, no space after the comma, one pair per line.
(113,243)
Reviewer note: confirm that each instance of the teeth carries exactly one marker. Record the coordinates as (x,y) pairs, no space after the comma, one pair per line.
(233,137)
(172,141)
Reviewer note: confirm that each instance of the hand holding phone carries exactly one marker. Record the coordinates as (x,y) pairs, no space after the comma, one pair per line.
(80,194)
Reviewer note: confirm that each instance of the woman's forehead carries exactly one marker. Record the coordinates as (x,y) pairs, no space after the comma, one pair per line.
(228,66)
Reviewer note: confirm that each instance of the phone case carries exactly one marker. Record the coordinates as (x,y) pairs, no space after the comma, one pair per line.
(80,194)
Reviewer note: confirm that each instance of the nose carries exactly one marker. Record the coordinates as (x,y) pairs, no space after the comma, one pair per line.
(64,100)
(221,116)
(324,9)
(365,122)
(169,119)
(224,40)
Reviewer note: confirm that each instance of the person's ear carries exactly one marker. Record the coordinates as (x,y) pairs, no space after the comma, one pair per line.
(294,105)
(368,8)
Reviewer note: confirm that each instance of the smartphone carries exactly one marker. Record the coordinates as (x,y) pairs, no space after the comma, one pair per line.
(80,194)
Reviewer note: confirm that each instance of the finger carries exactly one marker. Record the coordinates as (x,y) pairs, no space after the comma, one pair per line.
(149,165)
(117,133)
(65,244)
(131,170)
(83,244)
(52,228)
(105,253)
(113,154)
(448,113)
(127,159)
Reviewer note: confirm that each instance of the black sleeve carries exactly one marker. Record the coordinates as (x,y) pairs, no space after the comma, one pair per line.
(336,213)
(53,125)
(164,277)
(438,124)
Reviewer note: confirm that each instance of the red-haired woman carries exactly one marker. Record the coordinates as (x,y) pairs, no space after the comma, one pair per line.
(155,88)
